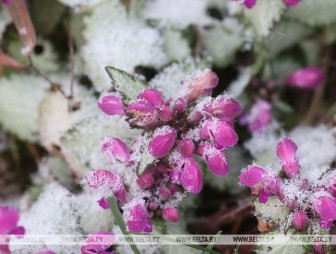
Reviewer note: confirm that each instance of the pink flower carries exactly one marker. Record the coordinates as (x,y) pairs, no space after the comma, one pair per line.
(171,214)
(9,218)
(259,117)
(98,242)
(153,96)
(115,148)
(309,77)
(111,104)
(252,175)
(186,147)
(291,2)
(162,141)
(103,203)
(286,151)
(166,114)
(222,133)
(300,220)
(143,112)
(146,180)
(137,218)
(180,105)
(216,161)
(200,84)
(249,3)
(325,207)
(191,176)
(223,108)
(107,181)
(165,193)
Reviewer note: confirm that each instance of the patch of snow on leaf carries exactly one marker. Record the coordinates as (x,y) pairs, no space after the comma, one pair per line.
(114,38)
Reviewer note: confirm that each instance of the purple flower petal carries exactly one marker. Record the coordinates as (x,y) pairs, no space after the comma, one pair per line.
(111,104)
(309,78)
(114,148)
(137,218)
(286,151)
(300,220)
(325,207)
(9,217)
(153,96)
(171,214)
(252,175)
(162,141)
(191,176)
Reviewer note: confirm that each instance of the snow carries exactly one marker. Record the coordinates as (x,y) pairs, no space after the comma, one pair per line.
(114,38)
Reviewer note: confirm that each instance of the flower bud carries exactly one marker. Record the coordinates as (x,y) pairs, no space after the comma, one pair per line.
(166,114)
(249,3)
(286,151)
(103,203)
(326,224)
(146,180)
(162,142)
(223,108)
(216,162)
(171,214)
(153,96)
(309,77)
(111,104)
(164,194)
(325,207)
(252,175)
(191,175)
(318,248)
(114,148)
(263,196)
(9,217)
(300,220)
(153,205)
(180,105)
(186,147)
(222,133)
(199,84)
(144,113)
(136,218)
(291,2)
(106,240)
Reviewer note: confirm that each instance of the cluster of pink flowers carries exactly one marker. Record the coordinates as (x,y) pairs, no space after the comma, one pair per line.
(250,3)
(308,201)
(180,134)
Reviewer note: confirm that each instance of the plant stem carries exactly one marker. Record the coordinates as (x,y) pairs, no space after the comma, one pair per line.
(120,221)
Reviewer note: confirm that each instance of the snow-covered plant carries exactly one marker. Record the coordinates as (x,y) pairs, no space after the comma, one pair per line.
(177,135)
(309,202)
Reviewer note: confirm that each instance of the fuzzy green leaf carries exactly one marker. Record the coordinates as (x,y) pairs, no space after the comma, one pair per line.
(126,84)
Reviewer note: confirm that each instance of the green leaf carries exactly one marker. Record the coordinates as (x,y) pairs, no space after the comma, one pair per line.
(314,13)
(146,159)
(283,106)
(264,14)
(284,35)
(222,43)
(126,84)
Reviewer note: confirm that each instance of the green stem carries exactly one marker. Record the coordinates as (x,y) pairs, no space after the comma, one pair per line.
(120,221)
